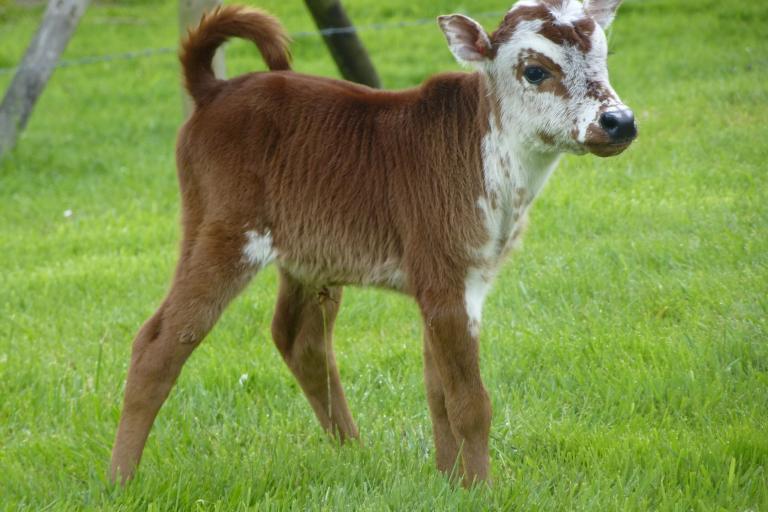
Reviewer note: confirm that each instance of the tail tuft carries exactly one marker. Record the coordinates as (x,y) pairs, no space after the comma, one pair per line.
(215,28)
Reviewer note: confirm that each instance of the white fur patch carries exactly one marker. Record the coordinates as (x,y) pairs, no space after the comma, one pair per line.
(525,3)
(509,162)
(476,288)
(258,251)
(567,12)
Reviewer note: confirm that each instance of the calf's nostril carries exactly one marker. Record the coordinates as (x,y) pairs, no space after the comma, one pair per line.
(609,121)
(619,125)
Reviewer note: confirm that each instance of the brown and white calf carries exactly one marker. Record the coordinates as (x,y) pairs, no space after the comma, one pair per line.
(422,191)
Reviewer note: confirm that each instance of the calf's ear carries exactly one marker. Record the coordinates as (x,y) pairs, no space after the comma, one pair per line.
(467,40)
(602,11)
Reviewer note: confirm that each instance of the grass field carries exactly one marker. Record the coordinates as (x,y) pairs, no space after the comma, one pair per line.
(625,348)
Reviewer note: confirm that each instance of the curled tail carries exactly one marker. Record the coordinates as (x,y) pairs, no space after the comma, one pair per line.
(215,28)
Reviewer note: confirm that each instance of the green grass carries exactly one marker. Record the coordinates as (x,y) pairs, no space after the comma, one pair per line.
(625,348)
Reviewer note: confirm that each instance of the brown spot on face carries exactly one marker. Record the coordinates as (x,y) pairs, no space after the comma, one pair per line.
(608,150)
(578,34)
(541,59)
(553,84)
(596,135)
(599,143)
(599,92)
(513,19)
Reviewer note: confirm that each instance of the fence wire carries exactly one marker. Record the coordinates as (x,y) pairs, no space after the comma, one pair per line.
(153,52)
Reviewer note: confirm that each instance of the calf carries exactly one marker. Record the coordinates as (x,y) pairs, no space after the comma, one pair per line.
(422,191)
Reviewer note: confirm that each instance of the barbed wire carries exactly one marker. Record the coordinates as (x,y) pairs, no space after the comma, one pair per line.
(153,52)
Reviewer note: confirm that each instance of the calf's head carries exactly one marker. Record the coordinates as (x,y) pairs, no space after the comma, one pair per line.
(546,66)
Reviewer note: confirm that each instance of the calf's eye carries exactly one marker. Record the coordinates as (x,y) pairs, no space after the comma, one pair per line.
(535,74)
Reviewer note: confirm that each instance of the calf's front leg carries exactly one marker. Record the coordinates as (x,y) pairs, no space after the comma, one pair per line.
(446,445)
(452,359)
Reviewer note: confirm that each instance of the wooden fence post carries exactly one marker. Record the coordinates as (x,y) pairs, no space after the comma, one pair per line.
(345,46)
(59,23)
(190,12)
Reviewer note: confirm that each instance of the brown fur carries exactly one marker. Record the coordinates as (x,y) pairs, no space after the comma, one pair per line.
(379,193)
(346,179)
(597,91)
(555,85)
(513,18)
(577,35)
(215,28)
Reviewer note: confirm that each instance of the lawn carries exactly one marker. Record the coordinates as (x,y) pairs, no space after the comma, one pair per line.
(625,347)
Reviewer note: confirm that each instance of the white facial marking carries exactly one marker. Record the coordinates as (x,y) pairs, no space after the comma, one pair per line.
(567,12)
(258,251)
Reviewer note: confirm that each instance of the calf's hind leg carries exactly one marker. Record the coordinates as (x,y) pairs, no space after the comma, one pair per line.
(211,272)
(301,329)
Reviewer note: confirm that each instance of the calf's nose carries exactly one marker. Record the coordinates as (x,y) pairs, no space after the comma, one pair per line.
(619,125)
